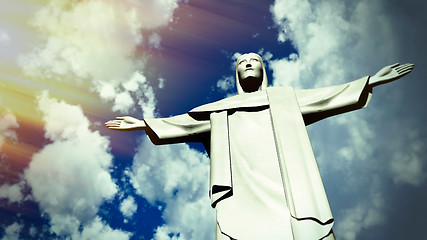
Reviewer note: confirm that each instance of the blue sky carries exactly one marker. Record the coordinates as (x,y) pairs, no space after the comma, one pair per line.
(68,66)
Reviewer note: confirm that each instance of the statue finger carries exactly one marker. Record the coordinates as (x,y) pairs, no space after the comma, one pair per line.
(120,128)
(405,72)
(115,128)
(399,68)
(405,68)
(407,65)
(402,67)
(394,65)
(410,65)
(112,124)
(121,117)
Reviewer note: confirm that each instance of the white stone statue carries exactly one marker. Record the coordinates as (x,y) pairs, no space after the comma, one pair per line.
(264,180)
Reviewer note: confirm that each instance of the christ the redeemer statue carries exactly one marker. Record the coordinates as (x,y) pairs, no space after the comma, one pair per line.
(264,180)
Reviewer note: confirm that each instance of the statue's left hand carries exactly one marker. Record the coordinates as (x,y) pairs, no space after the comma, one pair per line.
(390,73)
(125,124)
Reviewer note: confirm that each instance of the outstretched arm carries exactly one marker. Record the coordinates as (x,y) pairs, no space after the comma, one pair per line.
(390,73)
(126,124)
(177,129)
(320,103)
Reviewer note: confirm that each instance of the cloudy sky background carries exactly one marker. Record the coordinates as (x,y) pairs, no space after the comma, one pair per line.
(66,67)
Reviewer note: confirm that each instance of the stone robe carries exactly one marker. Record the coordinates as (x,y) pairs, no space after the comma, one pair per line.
(264,179)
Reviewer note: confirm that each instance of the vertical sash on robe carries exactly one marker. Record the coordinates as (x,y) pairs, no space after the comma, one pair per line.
(221,174)
(305,194)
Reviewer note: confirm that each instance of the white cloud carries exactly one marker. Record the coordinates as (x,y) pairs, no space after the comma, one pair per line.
(128,207)
(98,230)
(123,101)
(154,40)
(227,83)
(408,165)
(70,177)
(265,56)
(12,232)
(107,91)
(360,137)
(178,176)
(161,82)
(235,56)
(7,124)
(367,213)
(164,233)
(11,192)
(4,37)
(146,100)
(101,48)
(288,70)
(32,231)
(100,51)
(333,39)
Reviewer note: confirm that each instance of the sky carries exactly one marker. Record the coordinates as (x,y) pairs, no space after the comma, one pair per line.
(66,67)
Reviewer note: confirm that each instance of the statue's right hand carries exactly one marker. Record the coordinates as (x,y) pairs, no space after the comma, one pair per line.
(126,124)
(390,73)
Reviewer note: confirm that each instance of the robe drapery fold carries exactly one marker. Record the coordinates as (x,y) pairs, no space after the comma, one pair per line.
(220,151)
(290,111)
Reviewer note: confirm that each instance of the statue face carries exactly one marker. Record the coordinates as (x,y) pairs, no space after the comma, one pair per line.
(249,65)
(250,72)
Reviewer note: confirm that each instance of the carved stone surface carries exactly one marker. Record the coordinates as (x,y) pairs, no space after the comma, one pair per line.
(264,180)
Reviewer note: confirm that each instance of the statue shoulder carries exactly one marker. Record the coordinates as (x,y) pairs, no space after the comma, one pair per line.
(245,100)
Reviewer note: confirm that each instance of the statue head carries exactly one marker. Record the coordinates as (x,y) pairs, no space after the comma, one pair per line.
(250,73)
